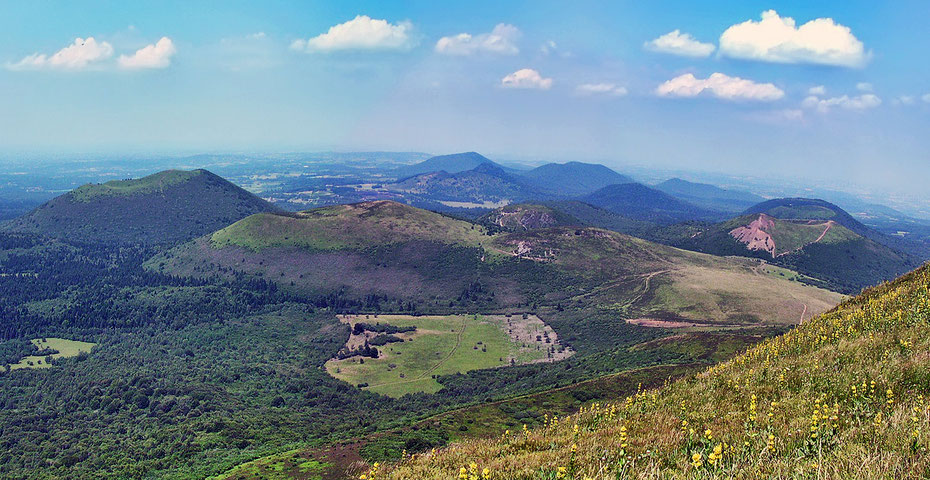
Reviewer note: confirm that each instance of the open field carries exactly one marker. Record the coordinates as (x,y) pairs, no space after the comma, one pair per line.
(741,295)
(443,345)
(66,348)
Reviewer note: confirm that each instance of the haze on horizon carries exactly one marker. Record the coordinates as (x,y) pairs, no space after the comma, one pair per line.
(832,90)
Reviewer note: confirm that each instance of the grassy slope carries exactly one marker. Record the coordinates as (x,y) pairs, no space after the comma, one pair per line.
(842,260)
(526,216)
(156,182)
(167,207)
(634,278)
(347,227)
(843,396)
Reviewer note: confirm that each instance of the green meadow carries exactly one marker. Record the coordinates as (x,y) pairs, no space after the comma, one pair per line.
(66,348)
(443,345)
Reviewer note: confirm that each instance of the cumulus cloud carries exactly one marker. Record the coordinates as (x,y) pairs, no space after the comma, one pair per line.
(903,100)
(360,33)
(926,97)
(83,53)
(157,55)
(824,105)
(864,87)
(778,39)
(609,89)
(677,43)
(526,78)
(818,90)
(500,41)
(720,86)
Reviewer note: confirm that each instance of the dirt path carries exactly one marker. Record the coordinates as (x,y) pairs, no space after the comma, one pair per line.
(802,314)
(829,226)
(646,279)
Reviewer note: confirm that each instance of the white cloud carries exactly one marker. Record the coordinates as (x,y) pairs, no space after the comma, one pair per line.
(903,100)
(157,55)
(720,86)
(500,41)
(778,39)
(548,47)
(677,43)
(824,105)
(818,90)
(83,53)
(864,87)
(926,97)
(610,89)
(526,78)
(256,36)
(360,33)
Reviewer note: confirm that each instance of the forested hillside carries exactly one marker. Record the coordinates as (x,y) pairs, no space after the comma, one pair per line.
(165,207)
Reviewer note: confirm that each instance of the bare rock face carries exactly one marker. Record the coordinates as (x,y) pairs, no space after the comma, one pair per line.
(755,236)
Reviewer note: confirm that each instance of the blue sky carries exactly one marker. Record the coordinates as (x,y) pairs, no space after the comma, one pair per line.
(841,98)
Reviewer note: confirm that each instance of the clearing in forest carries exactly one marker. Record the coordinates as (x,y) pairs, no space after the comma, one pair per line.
(399,354)
(64,348)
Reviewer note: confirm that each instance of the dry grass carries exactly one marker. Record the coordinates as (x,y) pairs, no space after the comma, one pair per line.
(846,395)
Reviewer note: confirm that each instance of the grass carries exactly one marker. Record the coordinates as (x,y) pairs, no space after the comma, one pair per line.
(845,395)
(441,345)
(149,184)
(790,236)
(355,226)
(802,212)
(66,349)
(286,465)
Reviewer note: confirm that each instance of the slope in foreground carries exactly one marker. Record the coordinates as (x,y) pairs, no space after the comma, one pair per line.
(843,396)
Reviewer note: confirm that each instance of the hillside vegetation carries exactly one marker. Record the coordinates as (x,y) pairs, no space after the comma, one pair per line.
(586,281)
(526,216)
(166,207)
(809,237)
(639,202)
(845,395)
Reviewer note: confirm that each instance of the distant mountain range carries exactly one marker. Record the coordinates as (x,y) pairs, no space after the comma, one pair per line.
(708,196)
(166,207)
(474,179)
(451,163)
(814,237)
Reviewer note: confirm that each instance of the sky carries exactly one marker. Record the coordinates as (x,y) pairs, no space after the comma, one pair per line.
(835,90)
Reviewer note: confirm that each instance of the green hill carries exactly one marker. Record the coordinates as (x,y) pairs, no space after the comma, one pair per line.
(451,163)
(487,185)
(639,202)
(708,196)
(573,178)
(815,238)
(393,256)
(166,207)
(845,395)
